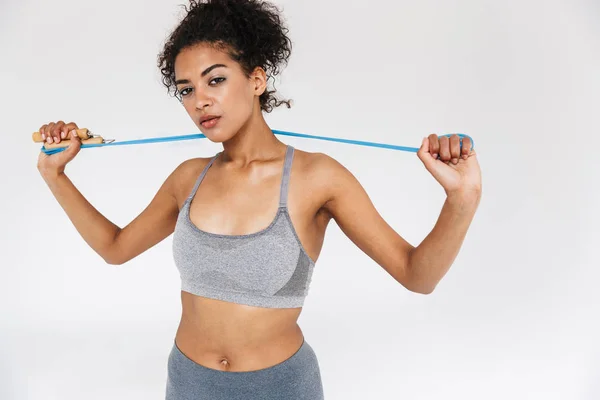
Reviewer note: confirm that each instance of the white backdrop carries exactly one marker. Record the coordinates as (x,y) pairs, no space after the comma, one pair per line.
(517,315)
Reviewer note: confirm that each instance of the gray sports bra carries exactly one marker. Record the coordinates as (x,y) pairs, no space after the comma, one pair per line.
(269,268)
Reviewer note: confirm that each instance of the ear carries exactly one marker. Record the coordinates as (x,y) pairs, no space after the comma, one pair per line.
(258,78)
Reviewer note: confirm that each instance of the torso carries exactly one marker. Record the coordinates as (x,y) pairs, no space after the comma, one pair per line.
(235,337)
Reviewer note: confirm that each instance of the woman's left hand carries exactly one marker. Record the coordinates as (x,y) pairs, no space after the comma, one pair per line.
(456,169)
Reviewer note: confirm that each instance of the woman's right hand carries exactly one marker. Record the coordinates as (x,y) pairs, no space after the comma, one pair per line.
(53,132)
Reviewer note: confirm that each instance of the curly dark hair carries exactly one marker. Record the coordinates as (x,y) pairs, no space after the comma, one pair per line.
(251,31)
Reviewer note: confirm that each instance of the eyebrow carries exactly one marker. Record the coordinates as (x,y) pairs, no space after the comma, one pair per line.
(204,73)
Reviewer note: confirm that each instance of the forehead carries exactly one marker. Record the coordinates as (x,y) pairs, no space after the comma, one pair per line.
(195,59)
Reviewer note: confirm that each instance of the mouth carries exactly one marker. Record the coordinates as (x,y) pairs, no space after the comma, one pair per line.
(209,121)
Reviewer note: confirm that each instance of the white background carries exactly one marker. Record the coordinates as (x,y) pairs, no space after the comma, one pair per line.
(516,317)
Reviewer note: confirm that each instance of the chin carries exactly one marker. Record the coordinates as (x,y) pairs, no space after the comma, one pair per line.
(217,135)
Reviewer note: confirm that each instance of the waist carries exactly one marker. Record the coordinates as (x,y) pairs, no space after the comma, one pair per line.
(235,337)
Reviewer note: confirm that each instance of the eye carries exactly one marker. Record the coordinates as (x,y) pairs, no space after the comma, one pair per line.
(217,79)
(183,92)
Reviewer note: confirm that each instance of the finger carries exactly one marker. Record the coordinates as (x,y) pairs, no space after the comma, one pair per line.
(42,131)
(434,145)
(445,149)
(466,147)
(424,154)
(73,147)
(56,131)
(424,149)
(69,127)
(454,148)
(74,136)
(48,131)
(66,128)
(425,144)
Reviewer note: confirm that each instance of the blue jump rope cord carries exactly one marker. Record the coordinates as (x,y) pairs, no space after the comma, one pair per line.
(201,136)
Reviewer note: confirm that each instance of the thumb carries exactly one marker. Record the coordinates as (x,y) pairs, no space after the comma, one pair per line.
(73,147)
(424,154)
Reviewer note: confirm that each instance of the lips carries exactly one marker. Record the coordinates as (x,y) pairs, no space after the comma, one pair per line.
(209,121)
(207,117)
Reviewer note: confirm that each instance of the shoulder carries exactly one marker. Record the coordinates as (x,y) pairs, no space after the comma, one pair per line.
(183,177)
(191,165)
(316,163)
(325,174)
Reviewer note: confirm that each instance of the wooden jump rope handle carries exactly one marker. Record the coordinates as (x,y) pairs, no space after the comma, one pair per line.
(83,133)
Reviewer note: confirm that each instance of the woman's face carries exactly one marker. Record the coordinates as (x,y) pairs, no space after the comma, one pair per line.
(211,84)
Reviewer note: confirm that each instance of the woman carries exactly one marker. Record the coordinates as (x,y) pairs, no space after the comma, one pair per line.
(249,222)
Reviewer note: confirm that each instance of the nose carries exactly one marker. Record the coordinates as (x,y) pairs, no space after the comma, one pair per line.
(202,101)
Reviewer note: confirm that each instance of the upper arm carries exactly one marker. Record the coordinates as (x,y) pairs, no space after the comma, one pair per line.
(350,206)
(155,223)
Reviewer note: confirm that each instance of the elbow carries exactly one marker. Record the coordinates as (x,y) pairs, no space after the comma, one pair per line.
(113,256)
(112,260)
(414,282)
(420,288)
(111,253)
(417,285)
(424,290)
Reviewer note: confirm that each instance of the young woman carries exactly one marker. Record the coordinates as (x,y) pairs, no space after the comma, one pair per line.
(249,222)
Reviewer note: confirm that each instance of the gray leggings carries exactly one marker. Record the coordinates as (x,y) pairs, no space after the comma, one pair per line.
(297,378)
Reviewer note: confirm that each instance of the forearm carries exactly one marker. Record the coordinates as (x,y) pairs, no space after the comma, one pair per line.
(97,231)
(432,258)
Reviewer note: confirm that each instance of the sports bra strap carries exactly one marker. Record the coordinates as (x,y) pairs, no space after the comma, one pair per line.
(201,177)
(285,180)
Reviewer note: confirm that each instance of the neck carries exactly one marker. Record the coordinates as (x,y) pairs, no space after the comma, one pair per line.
(254,142)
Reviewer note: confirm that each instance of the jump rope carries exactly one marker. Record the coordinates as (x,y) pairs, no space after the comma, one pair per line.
(88,140)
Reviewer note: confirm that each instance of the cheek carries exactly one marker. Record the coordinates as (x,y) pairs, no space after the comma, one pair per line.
(243,100)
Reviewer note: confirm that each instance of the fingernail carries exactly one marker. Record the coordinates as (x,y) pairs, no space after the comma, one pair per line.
(49,139)
(43,136)
(63,134)
(455,161)
(73,133)
(435,155)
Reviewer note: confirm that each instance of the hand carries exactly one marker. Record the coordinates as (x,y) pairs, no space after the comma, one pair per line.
(456,169)
(53,165)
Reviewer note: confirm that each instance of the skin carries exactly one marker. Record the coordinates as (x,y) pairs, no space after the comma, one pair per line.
(240,195)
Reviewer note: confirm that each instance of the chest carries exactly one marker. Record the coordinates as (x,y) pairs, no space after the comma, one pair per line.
(237,203)
(227,203)
(261,262)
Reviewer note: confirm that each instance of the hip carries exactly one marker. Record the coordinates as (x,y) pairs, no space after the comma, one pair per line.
(240,351)
(296,377)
